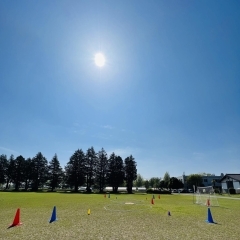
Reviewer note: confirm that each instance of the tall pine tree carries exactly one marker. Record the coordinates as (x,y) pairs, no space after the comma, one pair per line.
(130,172)
(55,173)
(39,171)
(90,163)
(116,172)
(28,174)
(101,170)
(10,171)
(3,168)
(75,170)
(18,171)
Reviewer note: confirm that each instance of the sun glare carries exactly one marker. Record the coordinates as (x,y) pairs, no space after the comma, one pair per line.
(99,59)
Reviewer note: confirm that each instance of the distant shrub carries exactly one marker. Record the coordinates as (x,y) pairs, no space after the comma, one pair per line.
(217,190)
(232,191)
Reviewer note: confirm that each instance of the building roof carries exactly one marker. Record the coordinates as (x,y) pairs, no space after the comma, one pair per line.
(233,176)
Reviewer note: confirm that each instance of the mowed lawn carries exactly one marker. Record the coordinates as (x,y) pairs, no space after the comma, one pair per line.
(112,218)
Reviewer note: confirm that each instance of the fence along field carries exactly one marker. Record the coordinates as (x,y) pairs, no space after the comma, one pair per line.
(94,216)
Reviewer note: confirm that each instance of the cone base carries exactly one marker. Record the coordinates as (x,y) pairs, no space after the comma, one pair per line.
(209,221)
(50,221)
(15,225)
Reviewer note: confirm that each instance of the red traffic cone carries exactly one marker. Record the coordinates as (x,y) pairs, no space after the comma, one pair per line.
(158,196)
(16,221)
(152,201)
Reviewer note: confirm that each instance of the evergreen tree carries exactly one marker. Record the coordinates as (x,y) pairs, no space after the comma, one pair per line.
(139,181)
(3,168)
(55,173)
(90,163)
(76,170)
(18,172)
(28,173)
(101,170)
(39,171)
(166,179)
(10,171)
(116,172)
(130,169)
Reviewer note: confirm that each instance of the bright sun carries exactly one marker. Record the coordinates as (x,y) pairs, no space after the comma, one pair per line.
(99,59)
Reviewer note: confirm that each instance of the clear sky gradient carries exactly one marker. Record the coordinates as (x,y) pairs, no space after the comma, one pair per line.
(169,93)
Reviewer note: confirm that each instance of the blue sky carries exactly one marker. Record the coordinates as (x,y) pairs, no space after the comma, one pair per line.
(169,93)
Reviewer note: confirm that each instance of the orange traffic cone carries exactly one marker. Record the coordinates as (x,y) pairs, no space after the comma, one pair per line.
(208,202)
(16,221)
(158,196)
(152,202)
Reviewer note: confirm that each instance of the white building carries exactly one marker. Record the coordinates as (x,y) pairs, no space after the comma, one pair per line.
(230,181)
(207,180)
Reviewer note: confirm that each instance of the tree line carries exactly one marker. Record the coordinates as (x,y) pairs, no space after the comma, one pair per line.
(159,183)
(91,169)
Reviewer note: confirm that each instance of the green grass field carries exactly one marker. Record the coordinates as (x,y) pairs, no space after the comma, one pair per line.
(111,218)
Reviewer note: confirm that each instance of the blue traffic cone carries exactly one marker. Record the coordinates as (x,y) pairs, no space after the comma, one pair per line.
(169,214)
(54,215)
(209,217)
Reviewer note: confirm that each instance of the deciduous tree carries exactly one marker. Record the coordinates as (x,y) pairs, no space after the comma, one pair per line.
(174,183)
(139,181)
(194,179)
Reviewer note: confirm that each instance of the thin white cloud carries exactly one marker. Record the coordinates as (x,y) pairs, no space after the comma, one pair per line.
(124,152)
(107,127)
(9,150)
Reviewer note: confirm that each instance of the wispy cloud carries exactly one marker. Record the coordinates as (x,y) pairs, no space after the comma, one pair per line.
(124,152)
(198,155)
(8,150)
(107,127)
